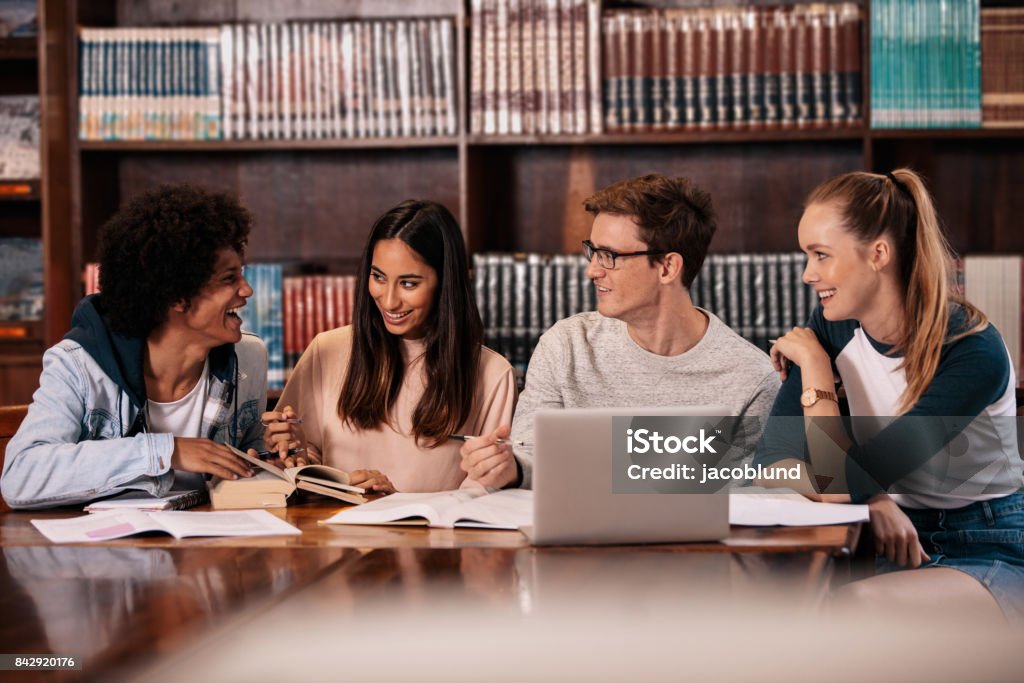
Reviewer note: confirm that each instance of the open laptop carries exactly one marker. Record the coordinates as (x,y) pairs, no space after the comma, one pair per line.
(572,481)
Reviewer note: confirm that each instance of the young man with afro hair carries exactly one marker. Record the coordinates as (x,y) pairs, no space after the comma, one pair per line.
(155,375)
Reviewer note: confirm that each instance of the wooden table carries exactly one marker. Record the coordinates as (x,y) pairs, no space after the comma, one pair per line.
(136,604)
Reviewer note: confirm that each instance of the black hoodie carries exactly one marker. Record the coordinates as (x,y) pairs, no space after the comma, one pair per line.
(123,358)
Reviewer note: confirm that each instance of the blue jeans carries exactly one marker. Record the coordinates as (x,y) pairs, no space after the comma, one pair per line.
(983,539)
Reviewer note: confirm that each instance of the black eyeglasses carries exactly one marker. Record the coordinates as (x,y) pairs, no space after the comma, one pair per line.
(606,257)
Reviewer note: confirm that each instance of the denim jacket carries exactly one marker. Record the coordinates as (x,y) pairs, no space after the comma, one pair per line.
(85,435)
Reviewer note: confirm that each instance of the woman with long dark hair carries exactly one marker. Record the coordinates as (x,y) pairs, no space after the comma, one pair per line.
(381,397)
(932,443)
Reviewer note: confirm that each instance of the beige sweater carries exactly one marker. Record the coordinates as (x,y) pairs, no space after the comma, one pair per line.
(315,385)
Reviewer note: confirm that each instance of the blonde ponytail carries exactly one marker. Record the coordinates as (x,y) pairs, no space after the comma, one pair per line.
(898,204)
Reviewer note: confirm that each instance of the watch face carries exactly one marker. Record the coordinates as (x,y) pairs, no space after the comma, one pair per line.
(808,398)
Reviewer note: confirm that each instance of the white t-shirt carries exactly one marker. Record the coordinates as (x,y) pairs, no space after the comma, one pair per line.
(183,417)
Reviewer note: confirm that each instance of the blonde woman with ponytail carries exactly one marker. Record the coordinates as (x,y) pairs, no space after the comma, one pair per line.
(940,470)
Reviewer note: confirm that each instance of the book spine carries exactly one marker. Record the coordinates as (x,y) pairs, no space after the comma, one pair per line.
(655,82)
(739,68)
(436,76)
(626,70)
(707,67)
(476,67)
(639,72)
(822,93)
(785,30)
(689,70)
(515,67)
(540,42)
(566,78)
(753,45)
(594,65)
(581,102)
(529,67)
(502,66)
(554,71)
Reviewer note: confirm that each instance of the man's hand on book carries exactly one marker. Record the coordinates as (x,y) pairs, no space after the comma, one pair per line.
(283,431)
(488,460)
(371,480)
(208,457)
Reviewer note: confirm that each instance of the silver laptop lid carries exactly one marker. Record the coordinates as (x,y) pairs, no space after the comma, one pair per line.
(572,481)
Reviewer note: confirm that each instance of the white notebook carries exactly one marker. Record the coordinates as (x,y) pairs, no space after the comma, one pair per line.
(109,524)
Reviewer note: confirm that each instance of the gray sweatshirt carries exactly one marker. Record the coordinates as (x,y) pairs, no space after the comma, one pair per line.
(590,361)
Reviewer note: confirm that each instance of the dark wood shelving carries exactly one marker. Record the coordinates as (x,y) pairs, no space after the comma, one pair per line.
(945,133)
(685,137)
(21,49)
(315,199)
(264,145)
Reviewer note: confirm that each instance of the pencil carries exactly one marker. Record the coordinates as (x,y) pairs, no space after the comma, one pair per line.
(468,437)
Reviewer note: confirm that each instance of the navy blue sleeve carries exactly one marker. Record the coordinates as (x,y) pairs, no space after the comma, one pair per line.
(783,435)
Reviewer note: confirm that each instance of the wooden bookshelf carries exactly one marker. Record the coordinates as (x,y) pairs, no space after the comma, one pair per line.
(18,49)
(21,341)
(314,200)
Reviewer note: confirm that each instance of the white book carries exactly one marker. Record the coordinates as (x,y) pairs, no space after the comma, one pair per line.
(227,86)
(349,81)
(475,508)
(273,84)
(333,50)
(789,509)
(104,526)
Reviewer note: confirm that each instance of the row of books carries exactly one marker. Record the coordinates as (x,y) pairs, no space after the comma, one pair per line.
(535,67)
(925,64)
(1002,67)
(795,66)
(522,295)
(149,84)
(350,79)
(293,80)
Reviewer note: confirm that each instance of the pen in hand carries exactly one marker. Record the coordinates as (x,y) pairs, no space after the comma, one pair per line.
(470,437)
(287,421)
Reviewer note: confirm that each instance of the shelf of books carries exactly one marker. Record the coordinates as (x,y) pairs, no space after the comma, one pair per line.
(323,115)
(21,243)
(214,146)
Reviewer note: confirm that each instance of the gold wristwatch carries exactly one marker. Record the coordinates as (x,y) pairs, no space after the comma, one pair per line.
(810,396)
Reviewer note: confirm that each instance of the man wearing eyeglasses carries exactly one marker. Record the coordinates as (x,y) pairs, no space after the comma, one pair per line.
(647,345)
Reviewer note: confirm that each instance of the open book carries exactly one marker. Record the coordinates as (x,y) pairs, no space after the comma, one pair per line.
(271,486)
(509,509)
(103,526)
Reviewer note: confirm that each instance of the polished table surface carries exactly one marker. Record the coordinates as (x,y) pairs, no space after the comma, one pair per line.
(133,605)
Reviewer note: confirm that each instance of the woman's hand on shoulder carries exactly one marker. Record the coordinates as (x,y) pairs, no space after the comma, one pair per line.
(488,460)
(799,346)
(282,431)
(895,535)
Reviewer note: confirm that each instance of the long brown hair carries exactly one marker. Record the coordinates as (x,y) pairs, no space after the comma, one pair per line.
(898,205)
(453,337)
